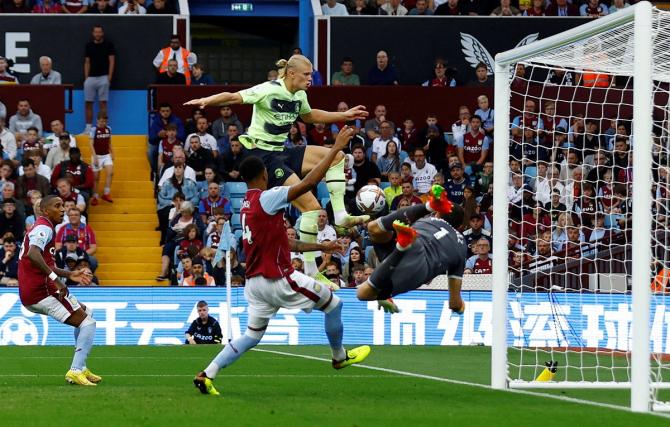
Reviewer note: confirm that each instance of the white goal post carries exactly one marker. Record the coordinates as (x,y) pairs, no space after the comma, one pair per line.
(630,43)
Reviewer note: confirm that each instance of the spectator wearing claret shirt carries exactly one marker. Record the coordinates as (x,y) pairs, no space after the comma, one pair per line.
(213,201)
(443,76)
(80,173)
(562,8)
(382,73)
(84,233)
(406,196)
(319,135)
(481,262)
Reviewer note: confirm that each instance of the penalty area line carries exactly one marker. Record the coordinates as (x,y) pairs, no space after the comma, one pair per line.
(467,383)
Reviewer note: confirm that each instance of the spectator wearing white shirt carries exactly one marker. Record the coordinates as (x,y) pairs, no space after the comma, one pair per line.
(47,76)
(462,126)
(206,140)
(8,140)
(542,184)
(132,8)
(178,158)
(333,8)
(515,191)
(379,144)
(394,8)
(41,168)
(422,172)
(53,140)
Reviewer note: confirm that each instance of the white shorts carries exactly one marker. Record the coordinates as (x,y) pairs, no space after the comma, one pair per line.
(267,296)
(104,160)
(53,307)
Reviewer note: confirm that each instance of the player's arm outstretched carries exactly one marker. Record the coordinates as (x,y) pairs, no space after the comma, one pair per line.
(218,100)
(80,276)
(320,116)
(319,171)
(327,247)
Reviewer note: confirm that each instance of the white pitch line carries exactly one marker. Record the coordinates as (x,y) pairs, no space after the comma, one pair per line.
(226,376)
(467,383)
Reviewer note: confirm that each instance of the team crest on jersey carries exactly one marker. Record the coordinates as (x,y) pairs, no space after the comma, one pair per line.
(317,288)
(279,172)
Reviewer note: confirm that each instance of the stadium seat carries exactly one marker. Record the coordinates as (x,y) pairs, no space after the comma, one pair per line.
(322,191)
(236,204)
(530,172)
(235,223)
(236,190)
(238,234)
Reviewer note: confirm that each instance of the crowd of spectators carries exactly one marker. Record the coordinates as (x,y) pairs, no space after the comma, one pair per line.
(120,7)
(587,8)
(34,164)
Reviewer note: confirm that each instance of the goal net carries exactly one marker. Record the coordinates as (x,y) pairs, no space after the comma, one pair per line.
(582,199)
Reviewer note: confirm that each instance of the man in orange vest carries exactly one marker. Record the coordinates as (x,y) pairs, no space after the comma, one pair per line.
(185,58)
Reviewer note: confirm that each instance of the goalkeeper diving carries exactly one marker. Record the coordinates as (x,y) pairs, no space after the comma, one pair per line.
(417,244)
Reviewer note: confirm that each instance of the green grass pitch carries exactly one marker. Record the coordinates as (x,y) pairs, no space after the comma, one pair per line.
(151,386)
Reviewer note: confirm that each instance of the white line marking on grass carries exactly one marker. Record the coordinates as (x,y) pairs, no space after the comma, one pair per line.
(467,383)
(226,376)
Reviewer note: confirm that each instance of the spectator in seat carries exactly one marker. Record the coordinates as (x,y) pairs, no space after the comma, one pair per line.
(47,76)
(325,231)
(199,277)
(85,265)
(422,172)
(481,262)
(333,274)
(161,7)
(17,6)
(230,161)
(198,159)
(394,8)
(184,218)
(9,193)
(562,8)
(390,162)
(537,9)
(482,78)
(593,9)
(101,7)
(372,125)
(99,65)
(505,9)
(11,221)
(618,5)
(295,137)
(24,119)
(80,173)
(83,232)
(214,200)
(227,117)
(385,136)
(223,144)
(476,232)
(41,168)
(366,171)
(462,125)
(361,8)
(473,148)
(131,7)
(185,59)
(158,132)
(191,241)
(35,198)
(70,249)
(9,263)
(383,73)
(29,181)
(346,76)
(393,190)
(333,8)
(171,76)
(421,9)
(166,146)
(450,8)
(409,136)
(66,192)
(199,77)
(5,76)
(8,141)
(178,159)
(457,183)
(177,184)
(407,196)
(444,75)
(319,135)
(53,140)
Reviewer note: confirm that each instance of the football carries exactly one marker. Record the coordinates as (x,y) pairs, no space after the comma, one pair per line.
(370,199)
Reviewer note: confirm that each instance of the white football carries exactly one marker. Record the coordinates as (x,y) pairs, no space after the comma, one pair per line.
(370,199)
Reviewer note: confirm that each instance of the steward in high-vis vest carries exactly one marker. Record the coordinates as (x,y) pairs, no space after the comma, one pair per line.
(185,58)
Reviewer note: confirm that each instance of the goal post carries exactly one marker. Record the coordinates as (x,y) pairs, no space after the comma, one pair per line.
(628,50)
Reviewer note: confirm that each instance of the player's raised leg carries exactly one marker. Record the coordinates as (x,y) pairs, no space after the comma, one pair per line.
(336,183)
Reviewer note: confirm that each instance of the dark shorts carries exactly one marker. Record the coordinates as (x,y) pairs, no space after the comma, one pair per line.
(411,272)
(281,164)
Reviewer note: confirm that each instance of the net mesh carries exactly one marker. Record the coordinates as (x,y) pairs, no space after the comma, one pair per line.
(570,209)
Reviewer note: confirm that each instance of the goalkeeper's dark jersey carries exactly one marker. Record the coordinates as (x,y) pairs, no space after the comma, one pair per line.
(206,333)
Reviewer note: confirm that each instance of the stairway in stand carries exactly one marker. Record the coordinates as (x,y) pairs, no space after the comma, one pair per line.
(128,251)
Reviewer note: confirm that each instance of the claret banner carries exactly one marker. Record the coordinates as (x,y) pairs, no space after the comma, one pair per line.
(154,316)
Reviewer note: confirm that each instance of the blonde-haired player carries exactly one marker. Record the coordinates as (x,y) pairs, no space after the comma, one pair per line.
(277,105)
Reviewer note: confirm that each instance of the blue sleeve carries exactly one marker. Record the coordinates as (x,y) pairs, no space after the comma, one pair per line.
(487,143)
(181,134)
(40,236)
(227,207)
(155,127)
(470,263)
(201,207)
(515,122)
(274,200)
